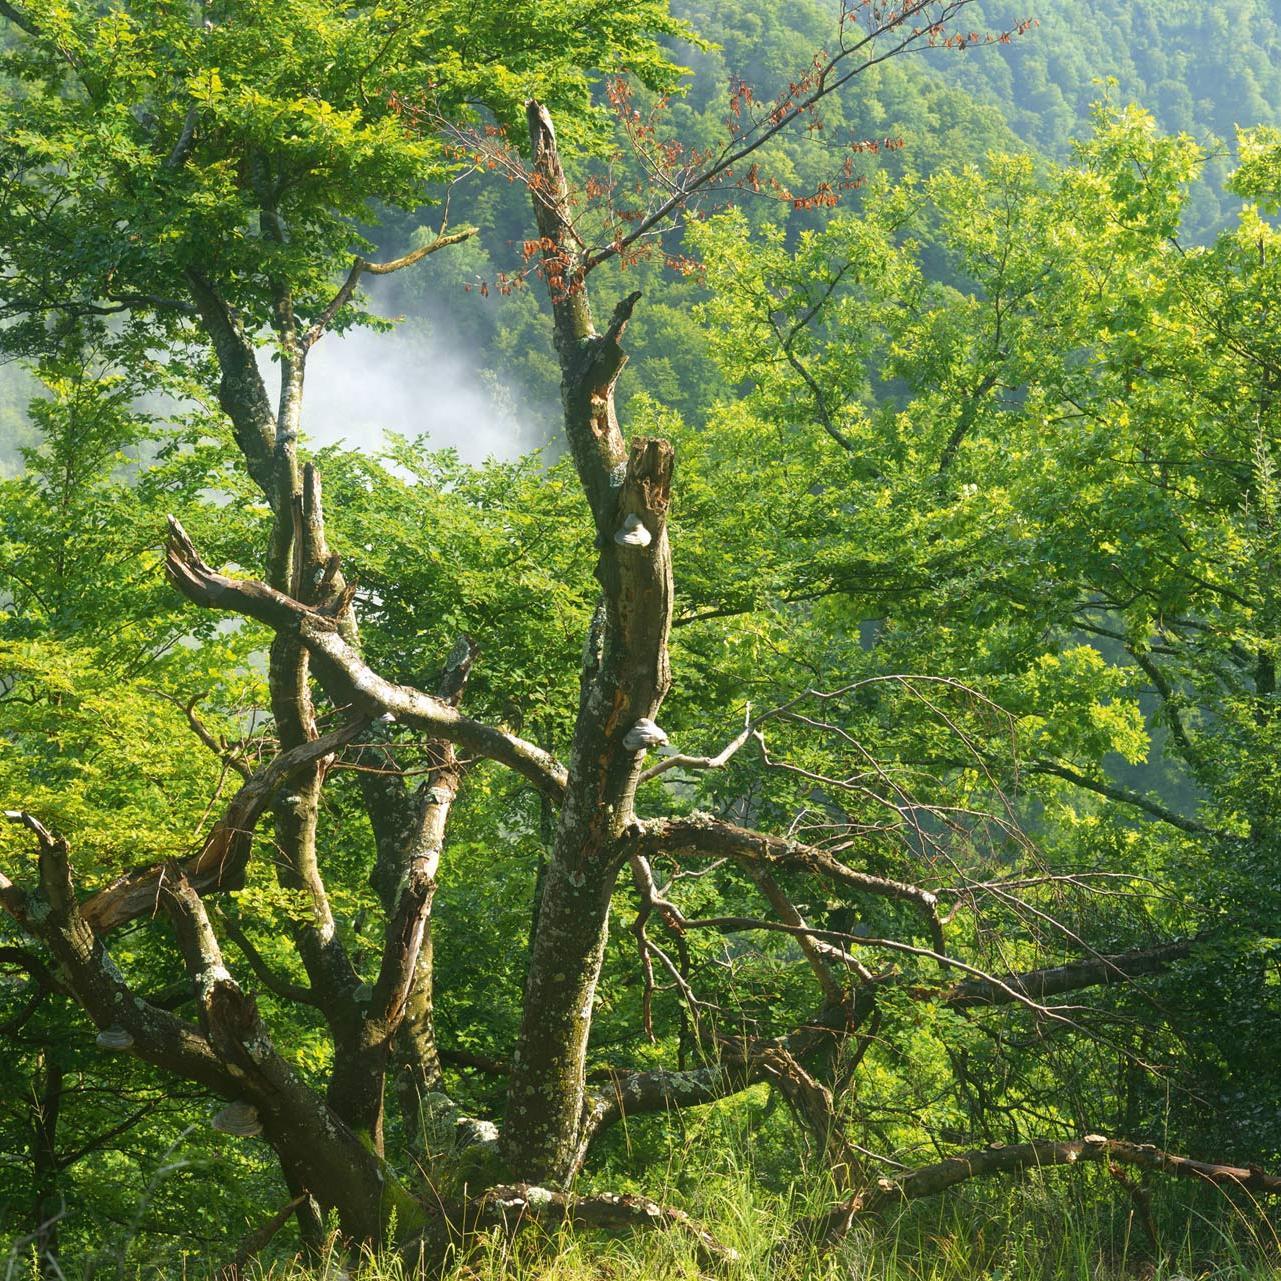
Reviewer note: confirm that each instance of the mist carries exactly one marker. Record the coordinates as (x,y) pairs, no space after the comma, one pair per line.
(363,384)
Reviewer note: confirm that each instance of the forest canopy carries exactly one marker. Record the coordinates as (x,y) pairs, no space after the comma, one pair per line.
(834,774)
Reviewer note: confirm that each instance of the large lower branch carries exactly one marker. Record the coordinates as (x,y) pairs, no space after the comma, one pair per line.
(323,638)
(705,835)
(745,1063)
(930,1180)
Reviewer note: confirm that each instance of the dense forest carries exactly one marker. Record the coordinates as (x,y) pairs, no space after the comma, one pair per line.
(640,641)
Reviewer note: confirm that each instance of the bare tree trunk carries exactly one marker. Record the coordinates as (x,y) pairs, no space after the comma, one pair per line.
(624,679)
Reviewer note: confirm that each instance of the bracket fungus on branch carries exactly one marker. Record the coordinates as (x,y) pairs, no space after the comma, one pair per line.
(114,1037)
(644,735)
(633,533)
(239,1119)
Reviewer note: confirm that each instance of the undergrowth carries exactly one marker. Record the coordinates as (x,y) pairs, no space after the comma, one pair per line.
(1047,1227)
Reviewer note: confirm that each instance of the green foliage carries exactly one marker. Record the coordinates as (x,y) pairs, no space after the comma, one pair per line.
(1055,1224)
(270,133)
(1072,443)
(1007,428)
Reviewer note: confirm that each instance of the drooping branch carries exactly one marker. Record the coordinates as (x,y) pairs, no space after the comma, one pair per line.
(702,834)
(1123,794)
(744,1063)
(316,1148)
(375,696)
(1037,985)
(741,1062)
(814,1107)
(88,973)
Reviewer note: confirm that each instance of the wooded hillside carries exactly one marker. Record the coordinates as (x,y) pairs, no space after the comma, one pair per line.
(833,777)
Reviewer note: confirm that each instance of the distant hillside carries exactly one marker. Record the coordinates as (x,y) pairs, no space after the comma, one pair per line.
(1200,68)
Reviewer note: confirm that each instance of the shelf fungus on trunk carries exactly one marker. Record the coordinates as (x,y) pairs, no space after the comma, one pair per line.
(239,1118)
(633,533)
(644,735)
(114,1038)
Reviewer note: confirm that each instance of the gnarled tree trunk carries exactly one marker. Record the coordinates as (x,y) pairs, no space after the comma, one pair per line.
(624,678)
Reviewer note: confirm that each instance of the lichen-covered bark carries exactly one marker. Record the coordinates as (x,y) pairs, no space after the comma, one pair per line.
(321,1152)
(229,1052)
(546,1089)
(624,678)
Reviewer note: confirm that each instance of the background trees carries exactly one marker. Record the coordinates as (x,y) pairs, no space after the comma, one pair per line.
(1075,440)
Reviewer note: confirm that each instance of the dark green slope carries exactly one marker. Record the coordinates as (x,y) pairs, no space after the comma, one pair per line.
(1200,68)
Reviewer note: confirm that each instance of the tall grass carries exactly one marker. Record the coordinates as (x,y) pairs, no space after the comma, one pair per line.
(1055,1226)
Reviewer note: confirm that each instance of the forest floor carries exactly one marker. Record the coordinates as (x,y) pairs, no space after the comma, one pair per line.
(946,1258)
(1042,1230)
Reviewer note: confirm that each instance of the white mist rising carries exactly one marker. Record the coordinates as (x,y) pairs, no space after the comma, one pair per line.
(363,384)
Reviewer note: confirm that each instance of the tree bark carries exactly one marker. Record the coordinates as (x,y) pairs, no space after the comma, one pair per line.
(624,678)
(47,1206)
(230,1053)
